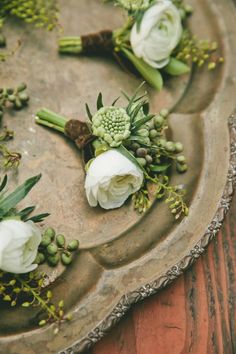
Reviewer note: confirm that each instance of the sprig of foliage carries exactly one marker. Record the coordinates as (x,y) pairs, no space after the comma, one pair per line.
(197,51)
(42,13)
(15,98)
(28,290)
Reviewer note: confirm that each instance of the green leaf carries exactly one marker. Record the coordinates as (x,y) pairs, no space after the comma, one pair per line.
(99,101)
(19,193)
(38,218)
(4,183)
(88,111)
(176,67)
(114,102)
(25,212)
(129,156)
(159,168)
(151,75)
(133,99)
(136,125)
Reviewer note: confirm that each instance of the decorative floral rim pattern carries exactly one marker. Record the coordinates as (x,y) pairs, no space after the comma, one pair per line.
(143,292)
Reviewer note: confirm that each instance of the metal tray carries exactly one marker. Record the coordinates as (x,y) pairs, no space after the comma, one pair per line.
(124,257)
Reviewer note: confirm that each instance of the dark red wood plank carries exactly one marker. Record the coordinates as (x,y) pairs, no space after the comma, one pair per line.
(196,314)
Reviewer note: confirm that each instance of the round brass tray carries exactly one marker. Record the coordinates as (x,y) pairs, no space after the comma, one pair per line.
(124,257)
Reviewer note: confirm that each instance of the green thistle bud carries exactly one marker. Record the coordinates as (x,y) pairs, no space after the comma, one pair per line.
(53,260)
(46,240)
(111,124)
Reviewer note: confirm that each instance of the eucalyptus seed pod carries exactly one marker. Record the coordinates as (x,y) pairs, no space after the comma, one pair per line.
(161,142)
(11,98)
(73,245)
(52,249)
(50,232)
(46,240)
(60,240)
(135,146)
(66,258)
(53,260)
(164,113)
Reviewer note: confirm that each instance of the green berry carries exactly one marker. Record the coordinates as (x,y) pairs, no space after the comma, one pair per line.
(46,240)
(182,168)
(73,245)
(141,161)
(66,258)
(12,98)
(179,147)
(170,146)
(52,249)
(50,232)
(53,260)
(149,159)
(60,240)
(21,87)
(181,159)
(141,152)
(135,146)
(23,97)
(158,121)
(40,258)
(164,113)
(153,134)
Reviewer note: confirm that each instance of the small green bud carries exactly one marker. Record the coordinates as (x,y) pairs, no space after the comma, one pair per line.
(211,66)
(181,159)
(10,91)
(21,87)
(170,146)
(40,258)
(164,113)
(153,134)
(50,232)
(25,304)
(60,240)
(158,121)
(143,132)
(179,147)
(23,97)
(17,103)
(141,152)
(42,323)
(46,240)
(135,146)
(53,260)
(52,249)
(73,245)
(182,168)
(141,161)
(66,258)
(149,159)
(12,98)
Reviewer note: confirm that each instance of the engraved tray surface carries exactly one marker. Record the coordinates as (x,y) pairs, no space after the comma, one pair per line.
(124,257)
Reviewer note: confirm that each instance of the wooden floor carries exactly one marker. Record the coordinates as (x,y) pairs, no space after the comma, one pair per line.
(196,314)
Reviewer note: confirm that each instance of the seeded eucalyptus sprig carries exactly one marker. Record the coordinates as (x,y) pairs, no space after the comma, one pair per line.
(42,13)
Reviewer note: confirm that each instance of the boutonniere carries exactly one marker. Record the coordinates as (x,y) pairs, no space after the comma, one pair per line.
(155,39)
(125,150)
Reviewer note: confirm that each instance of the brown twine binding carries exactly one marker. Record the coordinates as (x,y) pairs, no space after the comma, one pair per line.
(78,132)
(98,43)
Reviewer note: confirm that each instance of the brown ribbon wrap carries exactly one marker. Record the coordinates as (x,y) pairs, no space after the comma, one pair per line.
(98,43)
(78,132)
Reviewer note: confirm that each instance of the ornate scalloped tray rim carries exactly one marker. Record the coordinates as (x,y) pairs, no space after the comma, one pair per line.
(146,290)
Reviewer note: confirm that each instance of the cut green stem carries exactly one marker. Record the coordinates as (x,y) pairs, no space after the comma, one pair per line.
(51,120)
(71,45)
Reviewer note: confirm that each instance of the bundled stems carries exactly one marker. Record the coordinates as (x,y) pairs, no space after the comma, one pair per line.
(51,120)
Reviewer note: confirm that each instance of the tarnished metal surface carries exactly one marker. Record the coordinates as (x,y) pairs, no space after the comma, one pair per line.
(120,250)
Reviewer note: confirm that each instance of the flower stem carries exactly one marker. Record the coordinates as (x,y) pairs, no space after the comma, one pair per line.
(51,120)
(71,45)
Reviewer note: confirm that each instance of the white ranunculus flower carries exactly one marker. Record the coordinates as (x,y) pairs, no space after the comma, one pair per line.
(159,33)
(111,179)
(19,243)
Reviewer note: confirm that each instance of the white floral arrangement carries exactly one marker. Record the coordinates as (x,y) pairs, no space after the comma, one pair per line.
(127,152)
(155,39)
